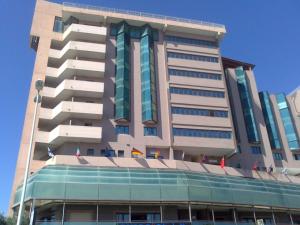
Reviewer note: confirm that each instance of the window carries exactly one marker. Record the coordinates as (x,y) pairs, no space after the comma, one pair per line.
(277,156)
(201,133)
(190,41)
(150,131)
(58,25)
(197,92)
(199,112)
(122,217)
(122,74)
(256,150)
(288,123)
(185,56)
(108,153)
(90,152)
(272,129)
(196,74)
(120,129)
(103,152)
(121,153)
(247,105)
(297,156)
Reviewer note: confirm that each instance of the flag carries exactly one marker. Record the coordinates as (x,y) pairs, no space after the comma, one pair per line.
(78,152)
(284,171)
(50,153)
(136,153)
(222,163)
(204,159)
(254,167)
(270,170)
(156,154)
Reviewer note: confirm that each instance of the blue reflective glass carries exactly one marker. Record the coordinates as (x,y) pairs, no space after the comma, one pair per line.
(150,131)
(199,112)
(193,57)
(120,129)
(247,105)
(58,25)
(202,133)
(277,156)
(286,118)
(148,77)
(196,74)
(256,150)
(197,92)
(271,125)
(190,41)
(122,82)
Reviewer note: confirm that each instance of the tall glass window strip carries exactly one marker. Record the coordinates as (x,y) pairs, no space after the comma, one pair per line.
(190,41)
(286,117)
(197,92)
(120,129)
(247,105)
(196,74)
(122,84)
(148,79)
(58,25)
(269,119)
(199,112)
(150,131)
(193,57)
(201,133)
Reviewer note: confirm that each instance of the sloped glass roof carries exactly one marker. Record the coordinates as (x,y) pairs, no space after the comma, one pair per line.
(167,185)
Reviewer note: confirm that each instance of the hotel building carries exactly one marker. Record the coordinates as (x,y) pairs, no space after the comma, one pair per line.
(119,82)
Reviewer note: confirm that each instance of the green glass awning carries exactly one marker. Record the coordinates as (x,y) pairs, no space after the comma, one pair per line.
(161,185)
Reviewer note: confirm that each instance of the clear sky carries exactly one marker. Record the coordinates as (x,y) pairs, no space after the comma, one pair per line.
(263,32)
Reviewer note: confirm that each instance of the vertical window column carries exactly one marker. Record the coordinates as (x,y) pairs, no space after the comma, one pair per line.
(269,119)
(122,91)
(148,83)
(286,117)
(247,105)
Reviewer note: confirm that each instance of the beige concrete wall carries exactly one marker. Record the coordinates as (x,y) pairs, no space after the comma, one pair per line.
(246,159)
(42,25)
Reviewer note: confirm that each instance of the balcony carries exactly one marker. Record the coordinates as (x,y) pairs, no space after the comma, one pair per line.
(69,133)
(71,67)
(85,32)
(73,88)
(77,49)
(66,109)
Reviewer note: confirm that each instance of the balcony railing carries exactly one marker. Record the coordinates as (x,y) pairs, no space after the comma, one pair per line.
(143,14)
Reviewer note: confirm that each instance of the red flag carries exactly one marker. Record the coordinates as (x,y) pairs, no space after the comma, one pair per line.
(254,167)
(222,163)
(78,153)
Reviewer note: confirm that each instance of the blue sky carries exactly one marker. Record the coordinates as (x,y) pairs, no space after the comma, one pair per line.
(265,33)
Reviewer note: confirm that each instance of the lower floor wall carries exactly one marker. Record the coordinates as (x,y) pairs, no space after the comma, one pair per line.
(93,213)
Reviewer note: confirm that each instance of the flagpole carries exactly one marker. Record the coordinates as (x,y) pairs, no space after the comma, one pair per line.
(38,86)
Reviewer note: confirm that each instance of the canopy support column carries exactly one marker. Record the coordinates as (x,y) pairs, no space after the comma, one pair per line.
(291,218)
(161,213)
(234,216)
(213,216)
(63,214)
(190,212)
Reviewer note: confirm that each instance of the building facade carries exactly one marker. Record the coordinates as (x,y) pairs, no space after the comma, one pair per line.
(152,107)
